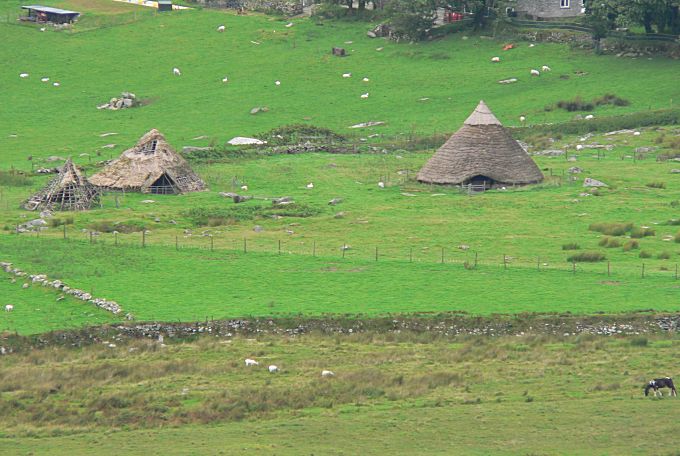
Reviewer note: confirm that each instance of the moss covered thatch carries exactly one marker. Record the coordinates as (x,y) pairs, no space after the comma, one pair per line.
(151,166)
(481,151)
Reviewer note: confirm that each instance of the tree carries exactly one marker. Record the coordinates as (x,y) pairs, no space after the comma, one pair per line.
(412,19)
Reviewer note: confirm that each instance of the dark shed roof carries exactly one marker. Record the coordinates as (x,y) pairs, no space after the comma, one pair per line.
(49,9)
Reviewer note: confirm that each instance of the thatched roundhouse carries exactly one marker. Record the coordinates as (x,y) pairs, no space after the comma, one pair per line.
(151,166)
(481,153)
(68,191)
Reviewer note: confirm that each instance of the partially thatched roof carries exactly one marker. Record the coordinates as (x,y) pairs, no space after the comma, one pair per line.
(482,147)
(68,191)
(151,166)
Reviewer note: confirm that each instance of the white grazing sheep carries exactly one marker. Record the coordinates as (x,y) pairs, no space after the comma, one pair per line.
(522,118)
(221,28)
(310,185)
(56,84)
(9,308)
(346,75)
(244,188)
(381,184)
(289,25)
(364,95)
(495,59)
(545,68)
(23,75)
(176,72)
(251,362)
(637,133)
(579,147)
(532,45)
(365,79)
(225,79)
(278,83)
(535,73)
(42,29)
(589,116)
(327,373)
(273,369)
(45,79)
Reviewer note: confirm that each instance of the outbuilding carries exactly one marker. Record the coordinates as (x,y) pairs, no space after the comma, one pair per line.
(39,13)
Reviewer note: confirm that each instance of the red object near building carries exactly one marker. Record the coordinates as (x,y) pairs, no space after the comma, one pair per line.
(452,16)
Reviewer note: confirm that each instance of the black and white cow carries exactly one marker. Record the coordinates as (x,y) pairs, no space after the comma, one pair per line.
(657,383)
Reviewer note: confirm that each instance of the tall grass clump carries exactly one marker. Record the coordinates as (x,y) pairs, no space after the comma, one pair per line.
(656,184)
(645,254)
(609,242)
(631,245)
(664,256)
(677,237)
(571,246)
(611,229)
(587,257)
(13,179)
(673,222)
(640,232)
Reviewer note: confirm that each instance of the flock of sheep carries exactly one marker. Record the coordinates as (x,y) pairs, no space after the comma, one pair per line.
(274,369)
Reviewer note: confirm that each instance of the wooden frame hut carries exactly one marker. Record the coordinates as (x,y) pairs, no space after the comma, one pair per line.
(481,154)
(68,191)
(151,166)
(40,13)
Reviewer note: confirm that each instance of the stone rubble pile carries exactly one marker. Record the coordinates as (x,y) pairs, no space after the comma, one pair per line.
(126,100)
(42,279)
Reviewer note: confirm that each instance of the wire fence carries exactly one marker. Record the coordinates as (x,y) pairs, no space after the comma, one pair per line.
(455,255)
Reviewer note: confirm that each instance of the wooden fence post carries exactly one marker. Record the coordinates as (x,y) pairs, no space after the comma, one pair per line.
(609,268)
(176,242)
(376,253)
(212,243)
(643,270)
(505,262)
(143,238)
(314,248)
(442,255)
(573,267)
(279,246)
(64,230)
(245,245)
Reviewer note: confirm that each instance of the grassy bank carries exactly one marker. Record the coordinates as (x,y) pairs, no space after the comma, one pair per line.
(523,394)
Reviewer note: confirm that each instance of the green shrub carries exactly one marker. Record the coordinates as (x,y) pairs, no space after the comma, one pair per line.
(218,216)
(664,256)
(639,232)
(571,246)
(631,245)
(677,237)
(673,222)
(108,226)
(645,254)
(14,178)
(639,342)
(587,257)
(297,133)
(611,99)
(656,184)
(609,242)
(577,104)
(55,222)
(611,229)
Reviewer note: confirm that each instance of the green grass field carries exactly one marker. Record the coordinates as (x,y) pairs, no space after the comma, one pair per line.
(396,393)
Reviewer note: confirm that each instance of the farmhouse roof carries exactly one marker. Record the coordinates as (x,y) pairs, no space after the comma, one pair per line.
(68,191)
(151,166)
(481,147)
(49,9)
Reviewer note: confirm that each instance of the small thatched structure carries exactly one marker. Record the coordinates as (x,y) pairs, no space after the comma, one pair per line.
(68,191)
(151,166)
(481,153)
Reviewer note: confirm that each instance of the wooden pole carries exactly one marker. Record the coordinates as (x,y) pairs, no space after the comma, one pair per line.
(609,268)
(212,243)
(176,242)
(442,255)
(505,262)
(538,263)
(143,238)
(643,270)
(64,230)
(573,267)
(245,245)
(376,253)
(115,238)
(90,237)
(475,260)
(279,246)
(343,249)
(314,248)
(676,271)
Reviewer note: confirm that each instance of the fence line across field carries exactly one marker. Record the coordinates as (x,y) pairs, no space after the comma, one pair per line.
(435,254)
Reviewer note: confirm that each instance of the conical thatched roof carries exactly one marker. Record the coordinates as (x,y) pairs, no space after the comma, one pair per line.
(151,166)
(482,148)
(68,191)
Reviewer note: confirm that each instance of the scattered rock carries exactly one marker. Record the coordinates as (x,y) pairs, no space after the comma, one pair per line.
(575,170)
(590,182)
(508,81)
(259,109)
(125,101)
(550,153)
(335,201)
(258,229)
(675,171)
(368,124)
(244,141)
(191,149)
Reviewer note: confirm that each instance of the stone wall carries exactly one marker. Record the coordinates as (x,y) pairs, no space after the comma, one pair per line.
(548,9)
(285,7)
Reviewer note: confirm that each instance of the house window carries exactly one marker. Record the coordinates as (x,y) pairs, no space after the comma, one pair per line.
(564,4)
